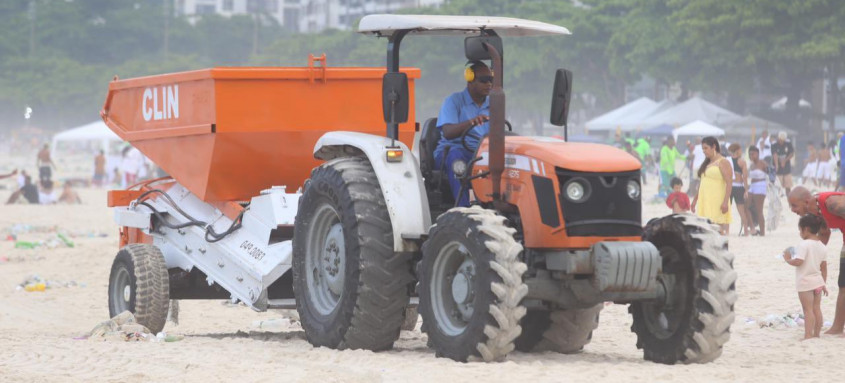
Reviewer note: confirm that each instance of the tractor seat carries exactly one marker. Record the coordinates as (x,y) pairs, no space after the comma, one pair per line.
(428,140)
(436,185)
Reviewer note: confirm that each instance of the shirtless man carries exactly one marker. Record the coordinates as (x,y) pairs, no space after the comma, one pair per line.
(69,196)
(831,207)
(45,164)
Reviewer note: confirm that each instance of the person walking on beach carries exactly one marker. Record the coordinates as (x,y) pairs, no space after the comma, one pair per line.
(643,149)
(764,145)
(739,186)
(668,155)
(757,184)
(823,170)
(100,176)
(811,166)
(782,153)
(697,157)
(810,273)
(714,192)
(829,206)
(45,164)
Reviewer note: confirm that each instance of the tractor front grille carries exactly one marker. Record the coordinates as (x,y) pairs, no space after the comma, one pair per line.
(607,211)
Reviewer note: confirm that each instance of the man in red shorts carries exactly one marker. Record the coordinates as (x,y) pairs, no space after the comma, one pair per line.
(831,207)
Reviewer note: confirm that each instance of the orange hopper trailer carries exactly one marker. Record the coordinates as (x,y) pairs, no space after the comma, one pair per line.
(227,133)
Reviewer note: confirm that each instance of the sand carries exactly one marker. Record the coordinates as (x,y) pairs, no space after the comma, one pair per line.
(222,344)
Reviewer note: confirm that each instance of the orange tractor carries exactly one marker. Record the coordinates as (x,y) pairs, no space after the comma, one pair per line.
(284,194)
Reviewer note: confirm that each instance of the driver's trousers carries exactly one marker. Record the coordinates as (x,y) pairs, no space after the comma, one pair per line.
(453,154)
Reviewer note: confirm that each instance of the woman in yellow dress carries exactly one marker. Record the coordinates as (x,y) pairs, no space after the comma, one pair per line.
(714,192)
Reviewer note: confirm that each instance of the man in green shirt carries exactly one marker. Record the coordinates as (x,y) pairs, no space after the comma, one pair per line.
(668,155)
(643,149)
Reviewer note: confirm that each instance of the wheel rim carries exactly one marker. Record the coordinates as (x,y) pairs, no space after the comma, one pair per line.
(325,260)
(121,293)
(452,293)
(665,318)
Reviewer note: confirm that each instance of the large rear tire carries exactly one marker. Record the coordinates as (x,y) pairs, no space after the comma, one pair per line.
(139,283)
(471,285)
(693,322)
(563,331)
(351,288)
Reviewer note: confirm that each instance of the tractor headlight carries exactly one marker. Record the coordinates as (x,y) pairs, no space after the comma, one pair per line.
(459,167)
(633,190)
(577,190)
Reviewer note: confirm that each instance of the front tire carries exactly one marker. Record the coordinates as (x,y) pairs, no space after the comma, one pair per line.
(351,288)
(471,285)
(693,322)
(139,283)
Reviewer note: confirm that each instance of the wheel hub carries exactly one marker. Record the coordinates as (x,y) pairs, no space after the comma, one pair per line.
(460,288)
(462,292)
(452,288)
(121,293)
(325,260)
(332,260)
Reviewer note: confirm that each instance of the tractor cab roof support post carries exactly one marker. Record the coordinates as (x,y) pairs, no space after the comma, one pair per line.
(393,43)
(497,124)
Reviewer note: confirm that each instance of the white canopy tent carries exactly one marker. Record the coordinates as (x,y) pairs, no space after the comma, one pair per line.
(752,125)
(94,132)
(636,119)
(698,128)
(614,118)
(692,110)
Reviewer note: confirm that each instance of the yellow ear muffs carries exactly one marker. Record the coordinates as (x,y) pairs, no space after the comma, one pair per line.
(469,74)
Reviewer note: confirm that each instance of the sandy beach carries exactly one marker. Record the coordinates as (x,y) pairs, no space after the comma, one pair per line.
(224,343)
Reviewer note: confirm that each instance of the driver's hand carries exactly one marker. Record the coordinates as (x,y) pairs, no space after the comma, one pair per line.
(479,119)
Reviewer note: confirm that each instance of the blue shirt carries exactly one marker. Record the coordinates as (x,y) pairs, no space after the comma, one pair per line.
(842,152)
(457,108)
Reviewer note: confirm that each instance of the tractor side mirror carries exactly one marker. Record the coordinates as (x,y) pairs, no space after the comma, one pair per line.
(394,97)
(475,50)
(561,95)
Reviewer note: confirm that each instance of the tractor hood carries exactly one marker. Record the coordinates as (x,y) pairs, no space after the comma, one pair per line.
(577,156)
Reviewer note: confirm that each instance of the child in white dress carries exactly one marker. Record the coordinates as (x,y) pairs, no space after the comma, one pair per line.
(810,273)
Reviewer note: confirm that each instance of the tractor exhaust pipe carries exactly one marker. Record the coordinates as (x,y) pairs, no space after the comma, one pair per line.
(497,124)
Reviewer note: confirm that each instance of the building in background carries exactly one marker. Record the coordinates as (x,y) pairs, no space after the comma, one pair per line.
(305,16)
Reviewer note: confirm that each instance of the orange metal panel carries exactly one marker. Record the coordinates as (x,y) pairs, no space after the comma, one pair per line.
(122,197)
(130,235)
(166,132)
(232,132)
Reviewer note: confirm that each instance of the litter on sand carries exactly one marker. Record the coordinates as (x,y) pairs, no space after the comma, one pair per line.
(50,243)
(781,321)
(124,328)
(274,324)
(34,283)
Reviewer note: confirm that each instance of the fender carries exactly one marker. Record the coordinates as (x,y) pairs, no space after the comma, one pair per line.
(401,182)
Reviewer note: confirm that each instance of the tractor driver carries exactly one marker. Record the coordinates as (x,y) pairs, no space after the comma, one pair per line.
(467,110)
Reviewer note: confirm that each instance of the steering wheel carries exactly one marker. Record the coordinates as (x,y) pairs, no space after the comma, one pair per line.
(467,132)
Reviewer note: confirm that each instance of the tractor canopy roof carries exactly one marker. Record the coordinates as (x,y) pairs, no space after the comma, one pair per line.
(386,25)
